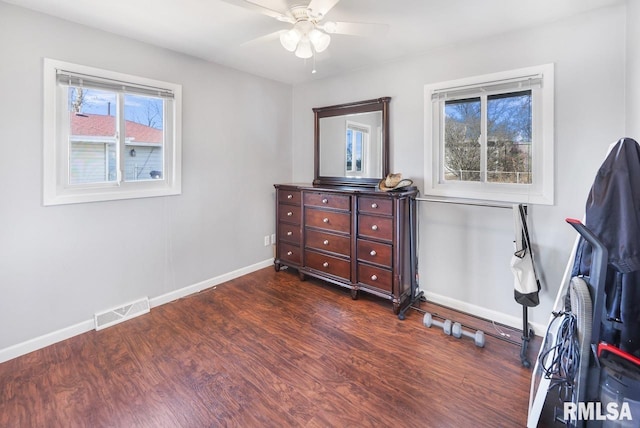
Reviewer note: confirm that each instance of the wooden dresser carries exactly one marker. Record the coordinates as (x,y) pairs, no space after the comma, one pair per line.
(358,238)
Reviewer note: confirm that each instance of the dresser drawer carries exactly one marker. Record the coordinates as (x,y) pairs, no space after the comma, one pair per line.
(324,241)
(375,277)
(290,213)
(375,206)
(375,227)
(289,232)
(328,200)
(374,252)
(290,253)
(328,220)
(289,196)
(328,264)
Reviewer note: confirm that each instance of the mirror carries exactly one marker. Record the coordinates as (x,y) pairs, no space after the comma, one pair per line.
(352,143)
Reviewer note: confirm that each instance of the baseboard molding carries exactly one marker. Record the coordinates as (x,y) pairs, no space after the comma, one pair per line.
(196,288)
(45,340)
(48,339)
(478,311)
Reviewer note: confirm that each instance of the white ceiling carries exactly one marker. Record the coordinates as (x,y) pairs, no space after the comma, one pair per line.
(218,31)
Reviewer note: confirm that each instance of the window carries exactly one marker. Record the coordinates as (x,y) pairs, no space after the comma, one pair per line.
(357,149)
(108,135)
(491,137)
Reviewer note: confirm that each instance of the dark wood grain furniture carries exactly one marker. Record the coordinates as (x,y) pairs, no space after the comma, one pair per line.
(358,238)
(340,228)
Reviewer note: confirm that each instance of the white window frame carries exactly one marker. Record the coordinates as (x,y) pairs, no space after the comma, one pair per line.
(541,190)
(56,187)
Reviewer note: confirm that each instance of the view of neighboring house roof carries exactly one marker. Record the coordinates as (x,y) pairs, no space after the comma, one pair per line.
(98,125)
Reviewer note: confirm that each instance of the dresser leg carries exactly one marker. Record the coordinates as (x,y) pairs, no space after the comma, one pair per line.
(396,307)
(277,266)
(354,294)
(302,276)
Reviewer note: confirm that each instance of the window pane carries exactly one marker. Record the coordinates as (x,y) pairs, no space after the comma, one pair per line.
(462,140)
(358,151)
(509,138)
(349,150)
(144,138)
(92,142)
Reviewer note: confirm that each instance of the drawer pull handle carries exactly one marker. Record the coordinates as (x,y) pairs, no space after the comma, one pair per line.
(374,205)
(325,201)
(374,277)
(289,196)
(289,233)
(289,253)
(325,242)
(373,252)
(289,214)
(374,227)
(326,220)
(325,264)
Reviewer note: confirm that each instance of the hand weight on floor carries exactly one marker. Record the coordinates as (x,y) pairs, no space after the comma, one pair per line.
(478,337)
(428,321)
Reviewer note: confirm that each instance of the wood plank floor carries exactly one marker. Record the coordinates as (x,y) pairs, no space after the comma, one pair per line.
(267,350)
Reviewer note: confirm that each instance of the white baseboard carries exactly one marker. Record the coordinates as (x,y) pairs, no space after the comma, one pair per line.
(48,339)
(196,288)
(45,340)
(478,311)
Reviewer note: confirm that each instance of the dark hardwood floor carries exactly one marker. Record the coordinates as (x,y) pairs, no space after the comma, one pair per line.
(267,350)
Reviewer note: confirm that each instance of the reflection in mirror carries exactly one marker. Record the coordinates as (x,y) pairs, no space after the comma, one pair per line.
(357,153)
(351,142)
(351,145)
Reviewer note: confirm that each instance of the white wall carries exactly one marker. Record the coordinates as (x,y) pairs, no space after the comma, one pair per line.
(59,265)
(633,70)
(464,251)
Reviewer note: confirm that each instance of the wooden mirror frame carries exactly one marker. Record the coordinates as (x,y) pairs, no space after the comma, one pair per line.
(378,104)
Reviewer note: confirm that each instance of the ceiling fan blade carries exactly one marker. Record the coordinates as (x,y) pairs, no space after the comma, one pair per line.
(322,7)
(356,28)
(263,39)
(256,7)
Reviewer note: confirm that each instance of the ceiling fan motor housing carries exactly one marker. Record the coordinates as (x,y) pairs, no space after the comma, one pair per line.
(304,35)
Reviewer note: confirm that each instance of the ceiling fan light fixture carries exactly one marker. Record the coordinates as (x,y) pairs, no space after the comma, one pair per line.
(319,40)
(290,39)
(304,48)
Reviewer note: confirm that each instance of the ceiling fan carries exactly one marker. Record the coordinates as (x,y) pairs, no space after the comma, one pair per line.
(308,33)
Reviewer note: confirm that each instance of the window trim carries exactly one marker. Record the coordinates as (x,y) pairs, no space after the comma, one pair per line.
(541,191)
(56,189)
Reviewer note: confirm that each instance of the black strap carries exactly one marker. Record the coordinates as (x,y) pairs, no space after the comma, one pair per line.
(527,241)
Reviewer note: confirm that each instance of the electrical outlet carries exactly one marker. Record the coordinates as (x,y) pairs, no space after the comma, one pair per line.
(273,238)
(266,240)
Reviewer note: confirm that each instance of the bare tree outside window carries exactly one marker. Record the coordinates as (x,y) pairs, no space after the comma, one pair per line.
(148,112)
(76,97)
(506,146)
(462,140)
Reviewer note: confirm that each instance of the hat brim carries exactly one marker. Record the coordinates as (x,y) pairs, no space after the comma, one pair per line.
(401,184)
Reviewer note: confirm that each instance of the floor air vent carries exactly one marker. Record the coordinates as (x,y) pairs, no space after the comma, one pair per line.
(125,312)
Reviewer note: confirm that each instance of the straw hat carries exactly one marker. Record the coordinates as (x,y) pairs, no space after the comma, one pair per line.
(393,182)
